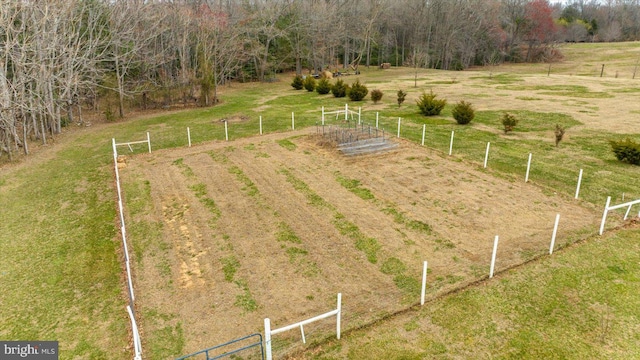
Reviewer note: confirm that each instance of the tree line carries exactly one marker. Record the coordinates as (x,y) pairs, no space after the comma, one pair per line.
(60,57)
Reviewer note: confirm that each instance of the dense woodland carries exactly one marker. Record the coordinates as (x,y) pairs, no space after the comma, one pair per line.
(60,57)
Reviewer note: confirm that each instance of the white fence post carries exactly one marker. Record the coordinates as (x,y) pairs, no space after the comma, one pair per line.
(323,116)
(115,151)
(226,130)
(579,182)
(493,256)
(424,282)
(149,141)
(260,124)
(451,143)
(604,215)
(555,232)
(526,177)
(189,136)
(267,338)
(293,121)
(359,114)
(346,112)
(398,127)
(486,155)
(424,129)
(626,215)
(339,315)
(377,119)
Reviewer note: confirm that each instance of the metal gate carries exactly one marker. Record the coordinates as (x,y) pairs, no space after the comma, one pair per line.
(210,352)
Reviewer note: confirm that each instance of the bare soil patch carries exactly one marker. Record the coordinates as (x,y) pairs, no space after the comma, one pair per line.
(464,206)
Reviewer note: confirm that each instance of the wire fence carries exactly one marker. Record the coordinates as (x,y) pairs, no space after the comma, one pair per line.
(351,137)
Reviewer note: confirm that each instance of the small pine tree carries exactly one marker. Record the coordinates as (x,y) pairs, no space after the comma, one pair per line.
(509,121)
(297,82)
(401,96)
(559,134)
(310,83)
(376,95)
(323,86)
(463,112)
(357,92)
(626,151)
(429,105)
(339,89)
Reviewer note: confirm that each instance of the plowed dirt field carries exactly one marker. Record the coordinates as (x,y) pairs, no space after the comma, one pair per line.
(275,226)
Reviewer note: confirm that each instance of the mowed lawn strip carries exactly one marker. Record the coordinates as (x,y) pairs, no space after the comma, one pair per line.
(60,264)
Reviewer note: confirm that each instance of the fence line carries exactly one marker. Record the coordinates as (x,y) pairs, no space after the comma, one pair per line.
(137,344)
(337,312)
(608,208)
(348,112)
(148,141)
(268,332)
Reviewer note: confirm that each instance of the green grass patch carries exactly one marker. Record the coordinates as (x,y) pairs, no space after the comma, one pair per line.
(295,253)
(576,91)
(249,187)
(528,121)
(167,342)
(444,244)
(500,78)
(245,301)
(286,234)
(393,266)
(355,187)
(401,218)
(186,170)
(369,246)
(200,191)
(230,266)
(287,144)
(313,198)
(408,284)
(219,157)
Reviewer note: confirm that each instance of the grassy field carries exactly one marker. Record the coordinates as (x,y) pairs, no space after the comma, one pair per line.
(61,271)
